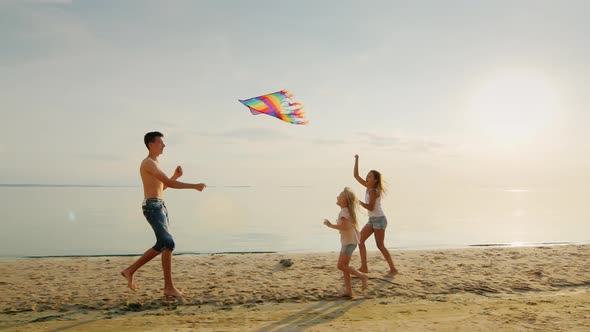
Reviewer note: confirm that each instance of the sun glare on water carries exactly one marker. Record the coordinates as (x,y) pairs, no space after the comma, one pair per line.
(514,107)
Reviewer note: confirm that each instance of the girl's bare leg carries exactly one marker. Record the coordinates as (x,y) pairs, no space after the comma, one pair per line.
(380,239)
(364,278)
(365,233)
(343,262)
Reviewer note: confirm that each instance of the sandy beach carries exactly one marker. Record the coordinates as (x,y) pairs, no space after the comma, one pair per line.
(474,289)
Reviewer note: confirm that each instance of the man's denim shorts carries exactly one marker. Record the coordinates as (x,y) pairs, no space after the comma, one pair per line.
(154,210)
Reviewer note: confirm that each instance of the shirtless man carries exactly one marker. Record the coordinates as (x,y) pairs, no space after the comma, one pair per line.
(154,183)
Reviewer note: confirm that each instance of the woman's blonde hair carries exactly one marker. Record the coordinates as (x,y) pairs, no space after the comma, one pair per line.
(352,204)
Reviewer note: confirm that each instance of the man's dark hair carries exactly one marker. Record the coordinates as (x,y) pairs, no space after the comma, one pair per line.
(149,137)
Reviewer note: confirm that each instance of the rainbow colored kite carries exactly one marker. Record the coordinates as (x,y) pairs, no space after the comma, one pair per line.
(278,104)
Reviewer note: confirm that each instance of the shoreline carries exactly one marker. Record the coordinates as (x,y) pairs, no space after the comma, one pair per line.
(405,248)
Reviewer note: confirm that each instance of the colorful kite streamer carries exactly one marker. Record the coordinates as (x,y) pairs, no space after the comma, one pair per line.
(278,104)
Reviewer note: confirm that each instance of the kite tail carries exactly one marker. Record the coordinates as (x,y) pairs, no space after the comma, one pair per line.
(292,108)
(286,93)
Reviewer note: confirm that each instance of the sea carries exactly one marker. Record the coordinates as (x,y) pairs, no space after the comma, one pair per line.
(88,220)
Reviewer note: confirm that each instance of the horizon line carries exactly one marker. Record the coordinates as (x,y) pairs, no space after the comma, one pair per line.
(64,185)
(42,185)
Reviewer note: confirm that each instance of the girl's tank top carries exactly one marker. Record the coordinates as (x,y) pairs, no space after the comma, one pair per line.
(377,210)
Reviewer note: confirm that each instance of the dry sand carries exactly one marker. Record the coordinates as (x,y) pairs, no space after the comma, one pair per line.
(543,288)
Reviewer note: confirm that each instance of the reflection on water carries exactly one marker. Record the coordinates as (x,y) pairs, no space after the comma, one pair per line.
(40,221)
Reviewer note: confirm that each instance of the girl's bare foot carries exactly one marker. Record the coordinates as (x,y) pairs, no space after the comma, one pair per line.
(346,295)
(173,292)
(365,283)
(130,280)
(392,273)
(364,269)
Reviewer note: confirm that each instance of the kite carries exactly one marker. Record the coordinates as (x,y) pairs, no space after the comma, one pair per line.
(278,104)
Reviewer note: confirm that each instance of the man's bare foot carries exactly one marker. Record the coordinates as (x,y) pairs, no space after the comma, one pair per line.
(130,280)
(392,273)
(364,270)
(365,283)
(173,292)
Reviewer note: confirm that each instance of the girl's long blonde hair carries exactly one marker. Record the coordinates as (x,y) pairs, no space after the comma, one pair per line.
(352,205)
(378,187)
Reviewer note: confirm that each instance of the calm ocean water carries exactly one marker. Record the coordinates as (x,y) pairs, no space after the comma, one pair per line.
(47,221)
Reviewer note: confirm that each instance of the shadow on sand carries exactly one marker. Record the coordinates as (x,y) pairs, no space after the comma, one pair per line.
(319,313)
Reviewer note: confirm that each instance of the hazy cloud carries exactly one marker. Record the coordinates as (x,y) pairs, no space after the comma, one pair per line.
(165,124)
(330,141)
(401,143)
(99,157)
(64,2)
(248,134)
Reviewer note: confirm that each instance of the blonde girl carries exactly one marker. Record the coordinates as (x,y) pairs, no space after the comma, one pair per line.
(349,238)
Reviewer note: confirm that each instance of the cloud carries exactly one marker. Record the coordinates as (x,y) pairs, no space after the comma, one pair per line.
(380,141)
(362,139)
(165,124)
(402,143)
(44,30)
(330,141)
(99,157)
(248,134)
(368,140)
(61,2)
(426,146)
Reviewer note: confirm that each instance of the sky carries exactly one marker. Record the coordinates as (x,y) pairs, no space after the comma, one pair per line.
(431,93)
